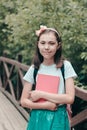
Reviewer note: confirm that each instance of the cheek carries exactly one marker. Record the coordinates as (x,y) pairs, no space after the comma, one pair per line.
(39,47)
(56,48)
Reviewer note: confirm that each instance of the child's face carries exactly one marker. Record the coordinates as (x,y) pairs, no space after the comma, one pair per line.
(48,45)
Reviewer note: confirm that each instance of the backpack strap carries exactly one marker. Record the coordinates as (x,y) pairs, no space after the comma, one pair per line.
(34,75)
(62,71)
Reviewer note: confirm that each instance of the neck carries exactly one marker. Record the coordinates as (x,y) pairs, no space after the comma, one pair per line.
(48,62)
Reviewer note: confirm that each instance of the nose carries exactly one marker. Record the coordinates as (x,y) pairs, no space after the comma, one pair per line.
(46,46)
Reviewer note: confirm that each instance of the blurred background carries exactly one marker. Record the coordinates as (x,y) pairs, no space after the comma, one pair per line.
(19,19)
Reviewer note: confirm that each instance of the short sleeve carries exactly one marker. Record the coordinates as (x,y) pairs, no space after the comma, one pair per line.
(69,70)
(29,75)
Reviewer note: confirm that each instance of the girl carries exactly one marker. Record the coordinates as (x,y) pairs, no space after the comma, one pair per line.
(50,114)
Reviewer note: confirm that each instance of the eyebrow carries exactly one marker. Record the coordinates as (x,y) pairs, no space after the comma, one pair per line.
(48,41)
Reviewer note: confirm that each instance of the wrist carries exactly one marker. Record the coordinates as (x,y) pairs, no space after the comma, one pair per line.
(38,105)
(42,94)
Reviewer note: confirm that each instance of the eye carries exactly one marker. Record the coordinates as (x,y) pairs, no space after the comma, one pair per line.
(42,42)
(52,43)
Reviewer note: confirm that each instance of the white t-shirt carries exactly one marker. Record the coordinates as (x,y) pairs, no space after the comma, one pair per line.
(52,70)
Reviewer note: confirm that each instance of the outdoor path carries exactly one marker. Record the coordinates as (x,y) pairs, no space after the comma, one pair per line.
(10,118)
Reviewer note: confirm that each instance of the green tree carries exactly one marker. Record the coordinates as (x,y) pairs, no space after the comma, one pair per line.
(20,19)
(68,16)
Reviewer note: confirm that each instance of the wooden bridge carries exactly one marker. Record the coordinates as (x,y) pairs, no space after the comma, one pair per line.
(12,115)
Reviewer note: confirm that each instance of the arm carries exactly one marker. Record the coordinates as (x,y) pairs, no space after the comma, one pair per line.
(28,103)
(67,98)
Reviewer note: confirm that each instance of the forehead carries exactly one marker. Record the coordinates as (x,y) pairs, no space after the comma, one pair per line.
(48,36)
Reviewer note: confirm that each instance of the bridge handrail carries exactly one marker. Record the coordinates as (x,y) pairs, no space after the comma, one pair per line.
(14,62)
(7,73)
(7,84)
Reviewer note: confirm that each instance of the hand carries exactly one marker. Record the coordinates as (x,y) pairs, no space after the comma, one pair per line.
(50,105)
(35,95)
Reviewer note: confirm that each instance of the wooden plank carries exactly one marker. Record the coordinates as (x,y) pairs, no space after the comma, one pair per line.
(0,82)
(21,76)
(81,93)
(6,70)
(10,118)
(8,81)
(24,113)
(80,117)
(14,62)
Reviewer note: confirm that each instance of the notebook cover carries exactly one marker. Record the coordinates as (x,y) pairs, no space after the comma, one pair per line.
(47,83)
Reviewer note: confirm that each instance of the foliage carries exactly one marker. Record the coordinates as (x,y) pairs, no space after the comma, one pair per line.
(20,19)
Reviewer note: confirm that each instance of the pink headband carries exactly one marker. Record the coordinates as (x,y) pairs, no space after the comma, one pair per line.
(43,28)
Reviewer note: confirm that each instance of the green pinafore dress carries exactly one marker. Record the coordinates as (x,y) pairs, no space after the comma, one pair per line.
(49,120)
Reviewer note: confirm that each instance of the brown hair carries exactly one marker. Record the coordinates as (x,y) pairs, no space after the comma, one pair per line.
(38,58)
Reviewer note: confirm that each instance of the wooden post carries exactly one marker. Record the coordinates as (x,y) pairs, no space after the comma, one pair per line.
(19,85)
(3,71)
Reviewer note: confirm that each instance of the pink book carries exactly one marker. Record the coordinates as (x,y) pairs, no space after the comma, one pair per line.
(47,83)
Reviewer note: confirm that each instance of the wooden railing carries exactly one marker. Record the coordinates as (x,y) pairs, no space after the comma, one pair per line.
(11,84)
(11,81)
